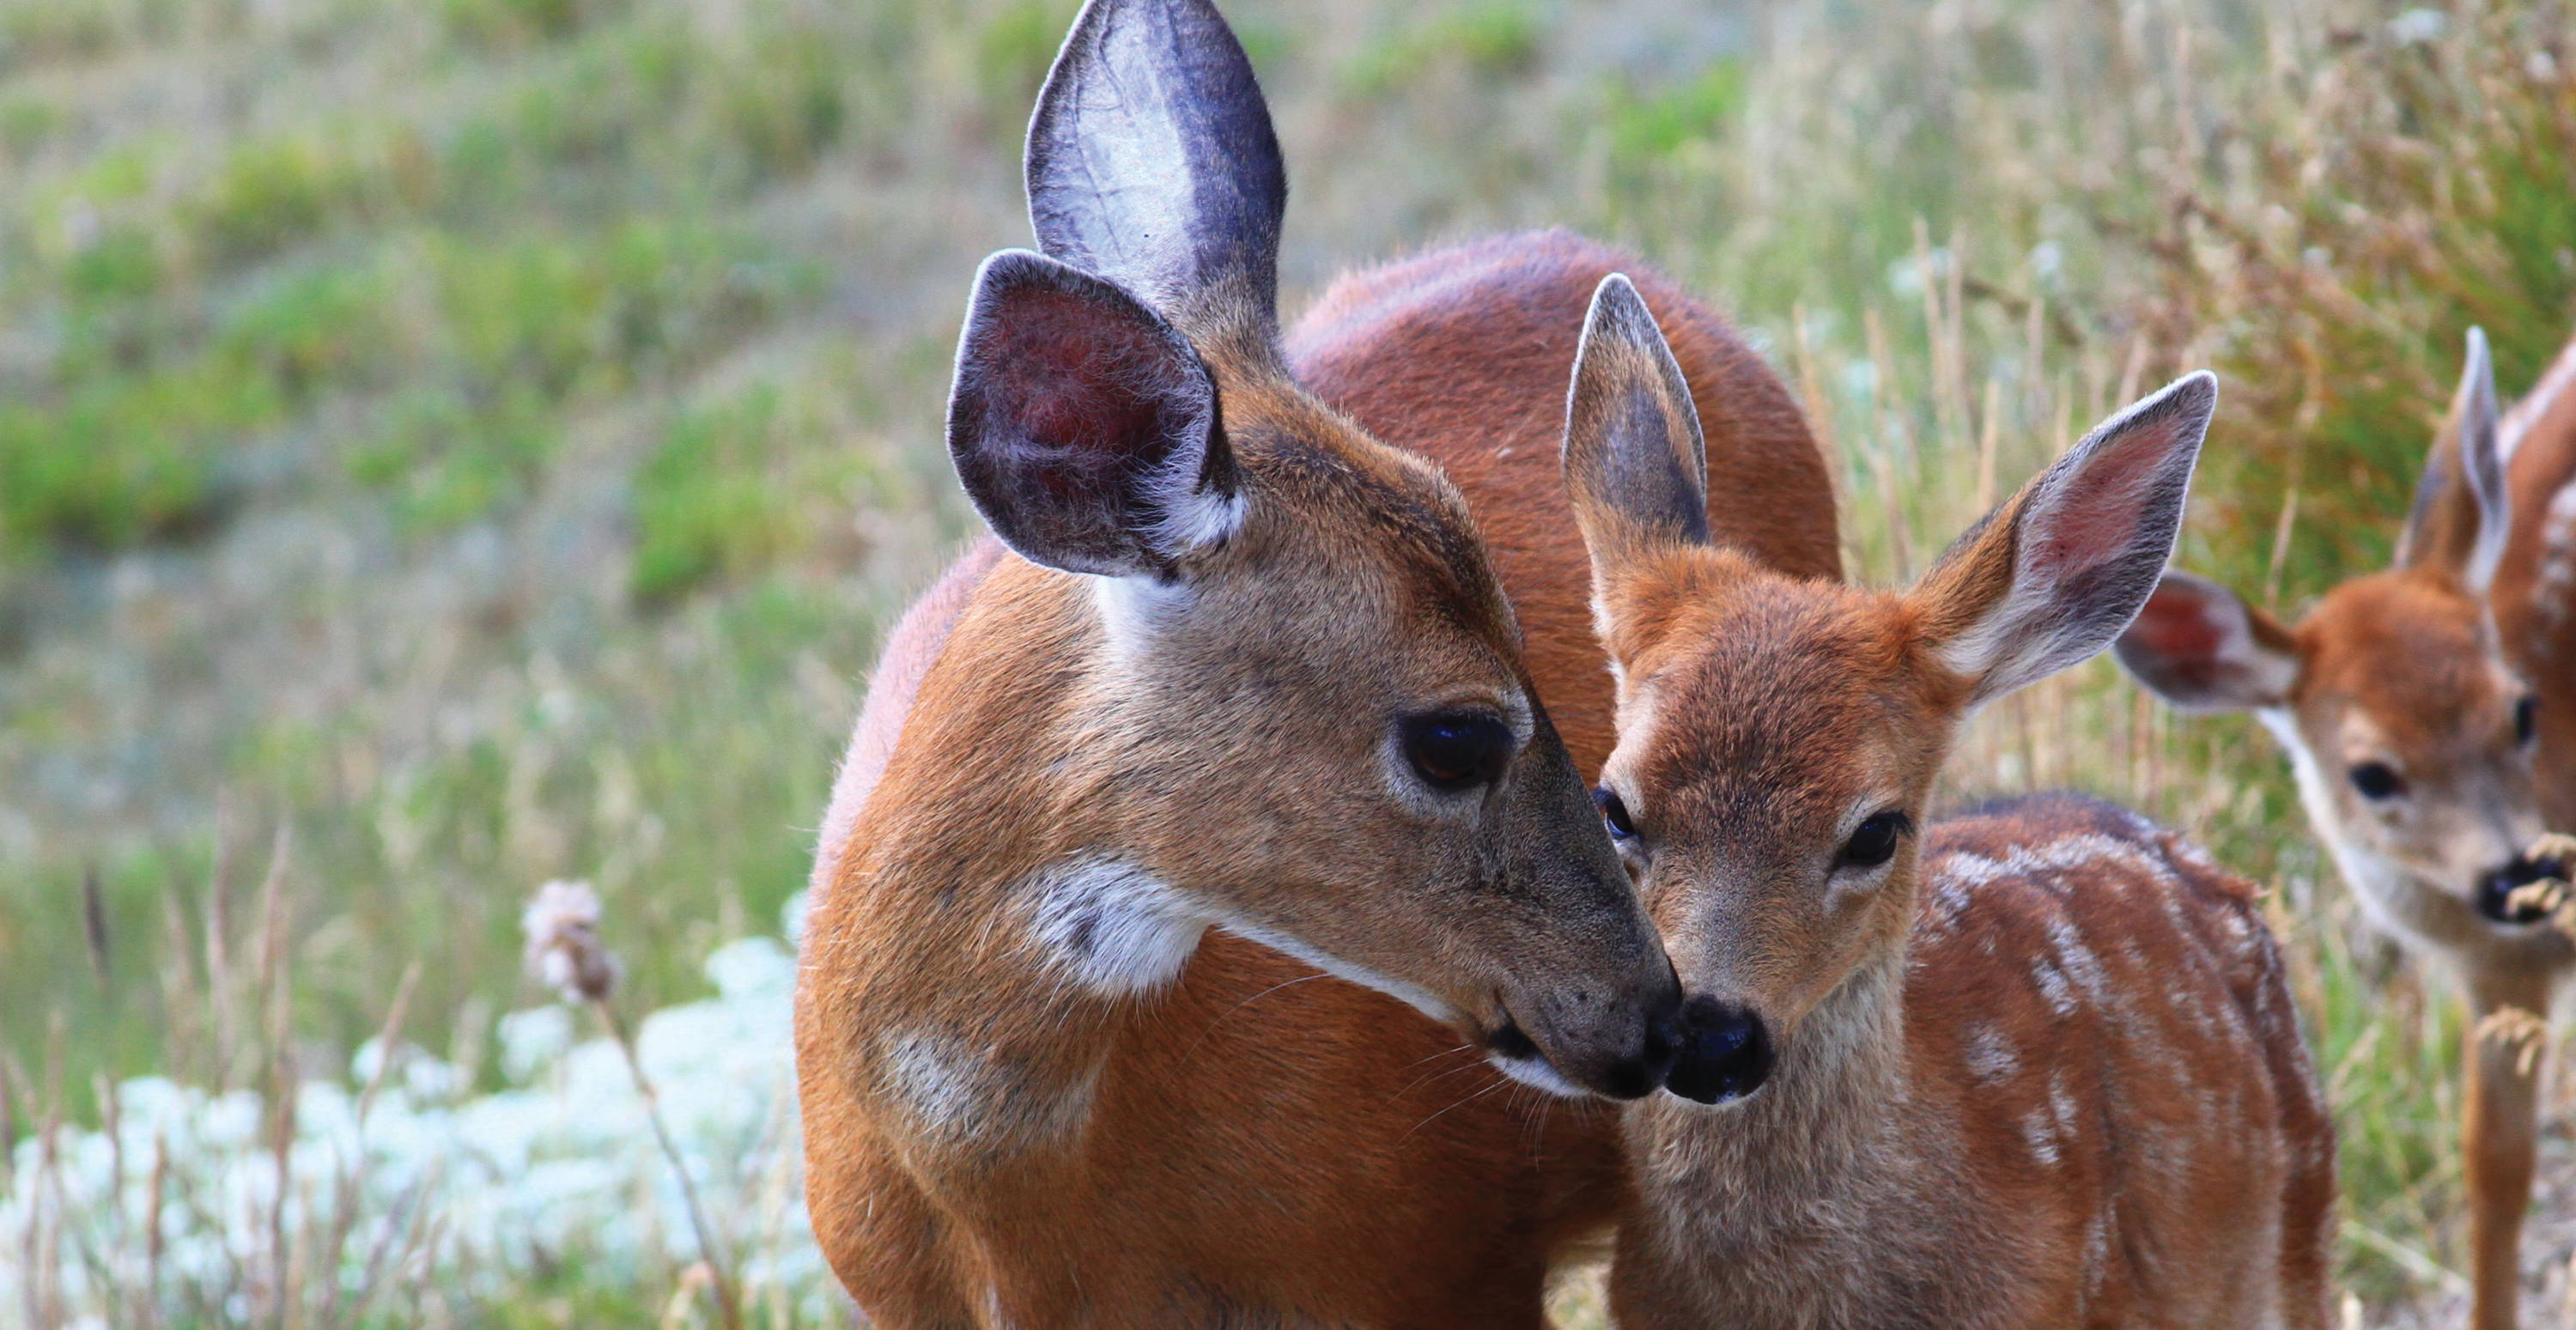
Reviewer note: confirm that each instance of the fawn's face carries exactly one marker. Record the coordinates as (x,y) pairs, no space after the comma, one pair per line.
(1777,742)
(2413,739)
(1308,717)
(2411,735)
(1778,738)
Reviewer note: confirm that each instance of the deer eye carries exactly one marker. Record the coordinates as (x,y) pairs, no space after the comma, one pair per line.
(1614,813)
(2526,720)
(2377,780)
(1873,842)
(1457,751)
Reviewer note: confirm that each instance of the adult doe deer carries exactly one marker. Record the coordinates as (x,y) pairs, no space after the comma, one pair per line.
(2430,715)
(1243,673)
(2032,1067)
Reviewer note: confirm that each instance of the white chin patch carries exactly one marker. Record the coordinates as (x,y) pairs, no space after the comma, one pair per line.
(1538,1072)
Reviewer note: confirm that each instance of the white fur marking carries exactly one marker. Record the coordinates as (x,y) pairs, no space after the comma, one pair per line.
(956,1094)
(2053,988)
(1991,1056)
(1195,519)
(1135,610)
(2078,960)
(1412,995)
(938,1082)
(1112,929)
(2553,590)
(1539,1073)
(2039,1131)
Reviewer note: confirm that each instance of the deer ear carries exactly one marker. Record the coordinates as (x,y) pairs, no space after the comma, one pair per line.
(2200,647)
(1151,161)
(1083,426)
(2054,574)
(2462,514)
(1636,465)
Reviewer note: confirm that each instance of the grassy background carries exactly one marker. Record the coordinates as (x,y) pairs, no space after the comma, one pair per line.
(481,440)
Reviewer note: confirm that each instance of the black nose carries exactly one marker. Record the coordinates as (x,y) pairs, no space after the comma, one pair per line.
(1726,1052)
(2496,889)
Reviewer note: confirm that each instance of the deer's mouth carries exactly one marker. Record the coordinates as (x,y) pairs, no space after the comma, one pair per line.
(1513,1053)
(2532,889)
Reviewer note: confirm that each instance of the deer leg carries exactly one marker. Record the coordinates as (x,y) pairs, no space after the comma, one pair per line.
(2500,1137)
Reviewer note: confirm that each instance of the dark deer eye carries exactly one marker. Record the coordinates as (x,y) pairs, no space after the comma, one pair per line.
(2377,780)
(1457,751)
(1873,842)
(1614,811)
(2526,720)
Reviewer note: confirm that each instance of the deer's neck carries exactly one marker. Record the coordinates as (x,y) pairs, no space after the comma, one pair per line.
(1822,1119)
(1823,1179)
(992,928)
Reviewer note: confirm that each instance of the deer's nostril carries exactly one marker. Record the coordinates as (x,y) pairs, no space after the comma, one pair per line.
(1726,1053)
(2496,890)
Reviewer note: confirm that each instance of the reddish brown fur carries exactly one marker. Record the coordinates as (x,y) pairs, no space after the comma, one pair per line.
(2054,957)
(2418,668)
(1460,354)
(2063,1085)
(2536,613)
(1265,1136)
(2193,994)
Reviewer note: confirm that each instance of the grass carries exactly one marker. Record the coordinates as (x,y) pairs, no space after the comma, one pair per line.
(486,438)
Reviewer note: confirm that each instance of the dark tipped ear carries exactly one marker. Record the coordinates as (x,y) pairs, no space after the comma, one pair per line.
(1152,162)
(2462,511)
(2054,574)
(1635,463)
(2199,646)
(1083,426)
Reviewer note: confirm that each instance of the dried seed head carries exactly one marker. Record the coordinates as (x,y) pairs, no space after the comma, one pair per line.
(564,950)
(2522,1033)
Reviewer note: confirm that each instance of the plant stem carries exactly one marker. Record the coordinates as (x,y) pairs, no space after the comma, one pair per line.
(726,1306)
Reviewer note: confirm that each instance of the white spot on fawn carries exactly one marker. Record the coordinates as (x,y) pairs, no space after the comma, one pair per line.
(2553,591)
(1991,1056)
(2040,1133)
(1112,929)
(2078,960)
(2053,988)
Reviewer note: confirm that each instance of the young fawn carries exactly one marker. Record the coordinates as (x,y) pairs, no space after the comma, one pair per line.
(2430,714)
(1242,673)
(2037,1067)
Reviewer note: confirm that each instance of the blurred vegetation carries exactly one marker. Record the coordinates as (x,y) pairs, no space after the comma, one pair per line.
(485,437)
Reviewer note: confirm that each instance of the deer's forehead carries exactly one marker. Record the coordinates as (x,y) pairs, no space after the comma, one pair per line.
(1784,702)
(1365,519)
(2401,665)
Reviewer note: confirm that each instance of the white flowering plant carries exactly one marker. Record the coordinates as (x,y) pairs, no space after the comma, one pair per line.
(398,1195)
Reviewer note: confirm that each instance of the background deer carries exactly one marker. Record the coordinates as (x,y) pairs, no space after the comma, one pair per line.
(2430,714)
(1121,1115)
(2037,1068)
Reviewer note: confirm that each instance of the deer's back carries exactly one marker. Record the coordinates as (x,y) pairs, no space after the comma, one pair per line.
(2114,1017)
(1463,354)
(2535,586)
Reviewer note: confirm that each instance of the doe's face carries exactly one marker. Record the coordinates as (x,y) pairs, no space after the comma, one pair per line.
(1394,804)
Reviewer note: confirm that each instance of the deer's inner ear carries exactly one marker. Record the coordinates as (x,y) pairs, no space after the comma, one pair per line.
(1083,426)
